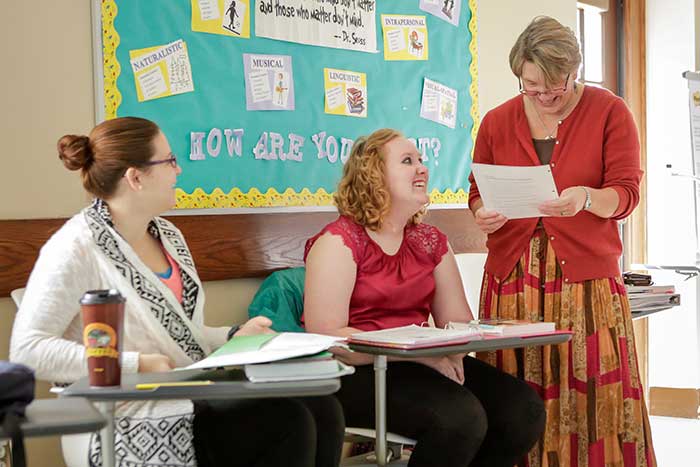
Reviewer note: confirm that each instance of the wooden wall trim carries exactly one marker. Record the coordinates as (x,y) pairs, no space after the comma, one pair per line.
(674,402)
(223,246)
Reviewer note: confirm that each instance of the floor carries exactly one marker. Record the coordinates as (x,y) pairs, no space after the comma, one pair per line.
(676,441)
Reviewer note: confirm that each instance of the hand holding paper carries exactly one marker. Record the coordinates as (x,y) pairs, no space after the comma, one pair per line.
(569,203)
(515,192)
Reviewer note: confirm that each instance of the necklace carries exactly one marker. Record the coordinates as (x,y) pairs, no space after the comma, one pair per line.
(550,135)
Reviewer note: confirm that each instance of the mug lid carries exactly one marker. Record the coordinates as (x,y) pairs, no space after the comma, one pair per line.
(99,297)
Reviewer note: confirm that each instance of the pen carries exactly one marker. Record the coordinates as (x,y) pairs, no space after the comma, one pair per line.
(173,384)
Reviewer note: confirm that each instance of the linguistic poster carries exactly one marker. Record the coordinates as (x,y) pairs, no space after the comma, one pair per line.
(405,37)
(439,103)
(161,71)
(269,82)
(340,24)
(346,93)
(446,10)
(226,17)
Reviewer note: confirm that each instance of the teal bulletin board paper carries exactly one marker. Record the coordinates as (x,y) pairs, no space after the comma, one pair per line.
(393,100)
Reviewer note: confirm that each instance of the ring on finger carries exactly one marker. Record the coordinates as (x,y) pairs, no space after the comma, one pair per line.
(563,213)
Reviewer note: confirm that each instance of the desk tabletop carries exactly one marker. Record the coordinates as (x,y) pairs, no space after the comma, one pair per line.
(227,384)
(478,345)
(46,417)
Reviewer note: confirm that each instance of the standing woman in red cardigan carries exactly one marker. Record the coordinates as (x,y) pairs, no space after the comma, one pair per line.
(563,266)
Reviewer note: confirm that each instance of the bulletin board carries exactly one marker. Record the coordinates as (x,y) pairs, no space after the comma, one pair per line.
(261,99)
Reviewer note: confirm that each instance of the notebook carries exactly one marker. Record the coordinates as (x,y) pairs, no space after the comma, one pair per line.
(322,366)
(414,337)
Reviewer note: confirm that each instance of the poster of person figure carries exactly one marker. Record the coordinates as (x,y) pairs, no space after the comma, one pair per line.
(446,10)
(233,17)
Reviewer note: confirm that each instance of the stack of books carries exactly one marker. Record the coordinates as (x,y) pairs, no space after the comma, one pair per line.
(356,102)
(649,298)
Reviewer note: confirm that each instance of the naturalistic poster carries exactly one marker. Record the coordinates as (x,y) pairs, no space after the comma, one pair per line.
(269,82)
(161,71)
(439,103)
(226,17)
(340,24)
(446,10)
(346,92)
(405,37)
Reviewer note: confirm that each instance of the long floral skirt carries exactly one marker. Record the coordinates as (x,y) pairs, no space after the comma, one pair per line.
(593,397)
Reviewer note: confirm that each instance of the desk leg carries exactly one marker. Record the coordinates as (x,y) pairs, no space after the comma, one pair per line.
(380,408)
(107,433)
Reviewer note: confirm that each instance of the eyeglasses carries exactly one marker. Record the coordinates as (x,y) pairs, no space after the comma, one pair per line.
(556,92)
(172,160)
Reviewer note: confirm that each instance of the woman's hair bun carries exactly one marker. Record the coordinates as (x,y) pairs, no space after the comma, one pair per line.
(75,152)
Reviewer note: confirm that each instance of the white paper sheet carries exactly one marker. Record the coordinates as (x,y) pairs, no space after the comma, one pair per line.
(515,192)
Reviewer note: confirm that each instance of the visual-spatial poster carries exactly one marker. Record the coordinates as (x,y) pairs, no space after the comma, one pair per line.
(346,92)
(446,10)
(269,82)
(439,103)
(226,17)
(161,71)
(346,25)
(405,37)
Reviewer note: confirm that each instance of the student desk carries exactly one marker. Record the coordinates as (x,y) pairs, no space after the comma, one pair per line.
(45,417)
(479,345)
(228,384)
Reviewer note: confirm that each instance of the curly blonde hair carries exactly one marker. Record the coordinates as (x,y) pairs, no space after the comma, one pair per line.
(362,193)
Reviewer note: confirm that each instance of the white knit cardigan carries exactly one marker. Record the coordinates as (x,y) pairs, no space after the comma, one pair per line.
(86,254)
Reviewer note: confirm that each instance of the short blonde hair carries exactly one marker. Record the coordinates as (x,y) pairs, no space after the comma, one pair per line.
(362,193)
(548,44)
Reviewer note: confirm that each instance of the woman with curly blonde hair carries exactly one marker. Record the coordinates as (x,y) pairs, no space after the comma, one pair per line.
(377,266)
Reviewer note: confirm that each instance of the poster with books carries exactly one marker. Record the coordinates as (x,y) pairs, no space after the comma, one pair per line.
(225,17)
(346,92)
(269,82)
(161,71)
(405,37)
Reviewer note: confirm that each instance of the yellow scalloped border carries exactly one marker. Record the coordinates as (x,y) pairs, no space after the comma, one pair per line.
(474,72)
(110,64)
(235,198)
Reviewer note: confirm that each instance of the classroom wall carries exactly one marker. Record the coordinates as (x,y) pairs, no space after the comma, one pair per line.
(673,27)
(47,91)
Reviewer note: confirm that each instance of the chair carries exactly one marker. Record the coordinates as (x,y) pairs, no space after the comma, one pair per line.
(73,447)
(471,269)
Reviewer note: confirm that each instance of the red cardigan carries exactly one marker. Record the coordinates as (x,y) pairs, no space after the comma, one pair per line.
(599,148)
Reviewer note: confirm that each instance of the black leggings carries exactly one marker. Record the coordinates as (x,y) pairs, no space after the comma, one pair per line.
(491,421)
(301,432)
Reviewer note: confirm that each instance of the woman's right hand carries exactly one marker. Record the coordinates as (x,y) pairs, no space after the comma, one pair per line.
(450,366)
(154,362)
(489,221)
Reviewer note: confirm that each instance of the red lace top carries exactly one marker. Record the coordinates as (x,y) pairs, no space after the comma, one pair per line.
(390,290)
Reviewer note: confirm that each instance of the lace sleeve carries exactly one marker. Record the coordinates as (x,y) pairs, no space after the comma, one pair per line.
(351,233)
(430,240)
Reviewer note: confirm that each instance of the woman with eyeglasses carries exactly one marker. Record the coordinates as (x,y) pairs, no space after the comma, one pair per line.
(564,266)
(120,242)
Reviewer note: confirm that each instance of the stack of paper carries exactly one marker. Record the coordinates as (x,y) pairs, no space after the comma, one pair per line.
(267,348)
(652,297)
